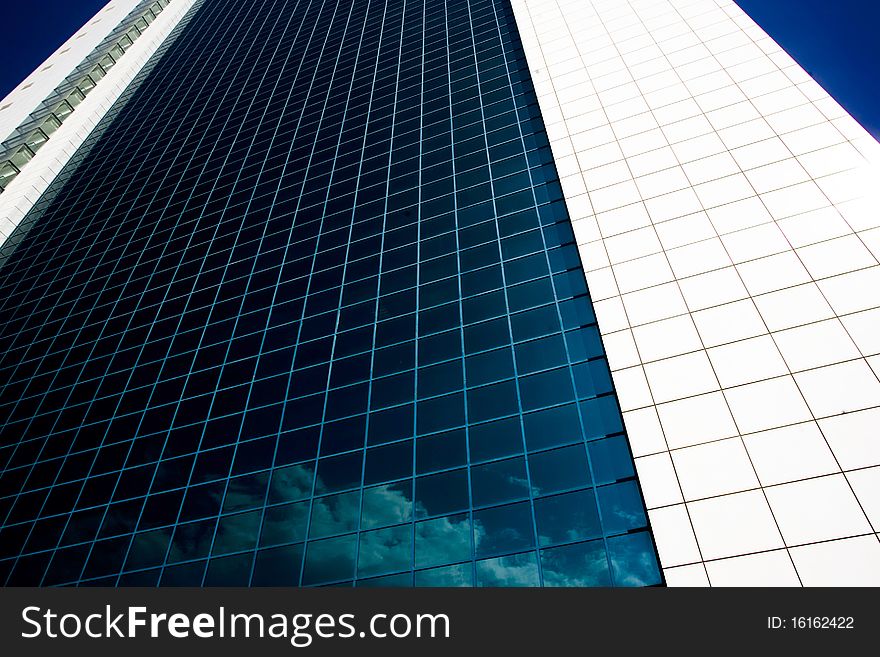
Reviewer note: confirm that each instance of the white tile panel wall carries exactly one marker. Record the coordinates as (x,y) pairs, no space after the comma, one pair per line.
(26,188)
(728,218)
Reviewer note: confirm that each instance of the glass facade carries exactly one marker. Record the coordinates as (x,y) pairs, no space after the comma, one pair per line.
(308,310)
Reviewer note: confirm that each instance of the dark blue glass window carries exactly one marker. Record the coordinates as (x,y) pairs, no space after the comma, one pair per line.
(559,469)
(307,309)
(581,564)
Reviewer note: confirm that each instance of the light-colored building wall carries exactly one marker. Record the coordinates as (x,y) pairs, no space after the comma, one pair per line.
(728,219)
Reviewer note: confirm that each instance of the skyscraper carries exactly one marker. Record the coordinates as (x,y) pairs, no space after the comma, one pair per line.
(294,292)
(726,210)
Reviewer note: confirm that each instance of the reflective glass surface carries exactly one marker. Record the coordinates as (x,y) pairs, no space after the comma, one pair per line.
(307,310)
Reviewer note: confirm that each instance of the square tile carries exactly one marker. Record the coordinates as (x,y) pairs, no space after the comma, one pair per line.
(586,229)
(593,255)
(601,282)
(851,562)
(711,168)
(740,215)
(767,404)
(777,175)
(772,568)
(620,350)
(653,304)
(698,147)
(854,438)
(760,153)
(712,289)
(818,509)
(841,388)
(716,468)
(812,138)
(673,205)
(815,345)
(747,361)
(852,292)
(789,201)
(832,159)
(642,273)
(730,322)
(874,363)
(815,226)
(698,258)
(791,111)
(644,431)
(657,478)
(866,486)
(687,129)
(632,244)
(674,536)
(652,161)
(686,576)
(836,256)
(696,420)
(662,182)
(606,175)
(724,190)
(793,306)
(864,329)
(632,388)
(746,133)
(621,220)
(790,453)
(685,230)
(755,242)
(611,315)
(871,239)
(614,196)
(775,272)
(666,338)
(680,376)
(639,143)
(732,525)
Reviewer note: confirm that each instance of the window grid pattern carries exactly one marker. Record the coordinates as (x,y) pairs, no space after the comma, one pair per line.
(726,211)
(310,312)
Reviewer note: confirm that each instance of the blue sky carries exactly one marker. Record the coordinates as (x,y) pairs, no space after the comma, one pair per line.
(835,40)
(33,31)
